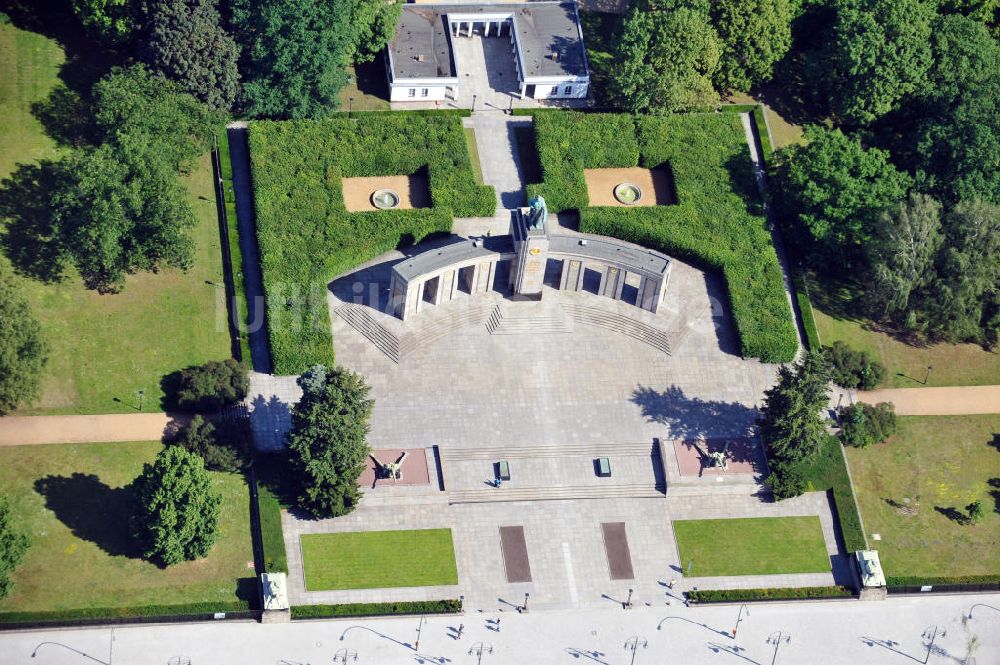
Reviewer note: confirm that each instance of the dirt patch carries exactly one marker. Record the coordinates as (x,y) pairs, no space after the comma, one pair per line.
(656,184)
(412,189)
(616,547)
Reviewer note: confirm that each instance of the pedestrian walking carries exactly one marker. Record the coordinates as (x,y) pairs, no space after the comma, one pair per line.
(498,625)
(672,583)
(461,627)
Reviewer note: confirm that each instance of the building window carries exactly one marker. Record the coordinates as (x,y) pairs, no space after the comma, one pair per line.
(412,92)
(555,91)
(424,92)
(568,90)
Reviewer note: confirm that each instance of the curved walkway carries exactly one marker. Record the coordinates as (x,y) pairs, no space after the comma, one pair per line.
(945,401)
(29,430)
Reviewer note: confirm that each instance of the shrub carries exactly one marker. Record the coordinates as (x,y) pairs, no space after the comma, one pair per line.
(853,369)
(103,614)
(731,595)
(13,545)
(223,447)
(211,386)
(307,237)
(376,609)
(786,480)
(976,512)
(865,424)
(718,221)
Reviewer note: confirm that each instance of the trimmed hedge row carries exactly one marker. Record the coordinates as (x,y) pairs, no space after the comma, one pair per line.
(805,307)
(226,166)
(97,613)
(910,580)
(828,471)
(718,222)
(376,609)
(732,595)
(307,237)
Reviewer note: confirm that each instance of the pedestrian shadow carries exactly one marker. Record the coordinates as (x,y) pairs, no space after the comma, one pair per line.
(732,649)
(92,510)
(593,655)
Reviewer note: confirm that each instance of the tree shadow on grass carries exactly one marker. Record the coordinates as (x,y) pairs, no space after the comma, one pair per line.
(92,510)
(953,514)
(30,238)
(67,118)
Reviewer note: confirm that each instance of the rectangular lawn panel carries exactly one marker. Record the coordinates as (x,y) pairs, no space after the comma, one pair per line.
(914,489)
(305,233)
(752,546)
(379,559)
(717,223)
(73,502)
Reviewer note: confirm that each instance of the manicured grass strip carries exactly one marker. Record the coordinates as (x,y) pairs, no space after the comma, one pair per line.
(752,546)
(379,559)
(275,559)
(828,471)
(74,501)
(376,609)
(792,593)
(470,141)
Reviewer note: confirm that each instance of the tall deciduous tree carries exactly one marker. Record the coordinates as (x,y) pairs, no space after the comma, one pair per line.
(122,210)
(111,21)
(132,105)
(23,350)
(188,44)
(296,51)
(903,251)
(839,189)
(756,34)
(963,301)
(328,440)
(177,510)
(666,58)
(13,544)
(878,53)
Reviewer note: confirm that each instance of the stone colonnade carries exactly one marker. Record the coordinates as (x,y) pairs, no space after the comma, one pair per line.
(408,297)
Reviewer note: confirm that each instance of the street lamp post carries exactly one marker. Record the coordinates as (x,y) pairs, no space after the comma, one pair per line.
(479,649)
(635,643)
(628,603)
(928,374)
(995,609)
(739,617)
(141,393)
(524,608)
(345,655)
(473,103)
(461,604)
(350,105)
(930,635)
(69,648)
(416,647)
(776,639)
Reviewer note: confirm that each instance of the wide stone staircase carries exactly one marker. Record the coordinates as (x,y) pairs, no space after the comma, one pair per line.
(640,449)
(556,493)
(528,319)
(618,322)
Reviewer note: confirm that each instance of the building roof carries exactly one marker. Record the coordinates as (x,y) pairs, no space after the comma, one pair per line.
(548,34)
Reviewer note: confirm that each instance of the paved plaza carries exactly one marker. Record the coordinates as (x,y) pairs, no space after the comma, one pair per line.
(892,632)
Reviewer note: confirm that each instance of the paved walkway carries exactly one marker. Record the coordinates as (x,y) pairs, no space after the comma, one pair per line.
(822,633)
(253,283)
(946,401)
(500,158)
(29,430)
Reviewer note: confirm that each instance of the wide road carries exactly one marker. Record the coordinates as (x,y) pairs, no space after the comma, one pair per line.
(894,632)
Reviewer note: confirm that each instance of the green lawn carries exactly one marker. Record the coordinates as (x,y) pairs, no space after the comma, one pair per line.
(470,142)
(379,559)
(71,500)
(106,347)
(751,546)
(940,464)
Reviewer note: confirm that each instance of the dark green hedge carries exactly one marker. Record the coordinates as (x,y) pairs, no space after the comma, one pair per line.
(376,609)
(85,613)
(718,222)
(307,237)
(912,580)
(735,595)
(226,166)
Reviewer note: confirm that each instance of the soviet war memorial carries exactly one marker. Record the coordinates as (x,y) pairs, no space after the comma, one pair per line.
(499,332)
